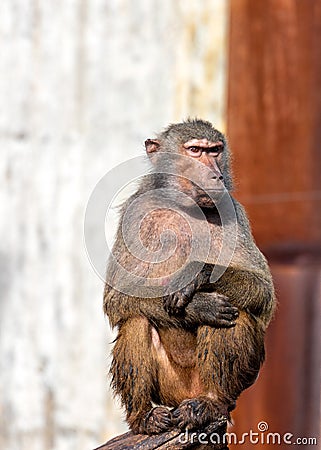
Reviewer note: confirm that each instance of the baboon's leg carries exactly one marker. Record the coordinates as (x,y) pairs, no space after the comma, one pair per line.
(133,372)
(228,362)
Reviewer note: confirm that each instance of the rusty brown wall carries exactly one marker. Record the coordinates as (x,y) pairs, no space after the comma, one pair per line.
(274,128)
(274,115)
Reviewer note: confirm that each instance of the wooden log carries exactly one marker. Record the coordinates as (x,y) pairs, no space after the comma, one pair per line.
(172,440)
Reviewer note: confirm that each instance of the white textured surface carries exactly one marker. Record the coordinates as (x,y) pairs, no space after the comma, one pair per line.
(82,84)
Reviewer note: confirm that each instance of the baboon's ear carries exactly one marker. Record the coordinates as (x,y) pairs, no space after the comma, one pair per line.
(152,145)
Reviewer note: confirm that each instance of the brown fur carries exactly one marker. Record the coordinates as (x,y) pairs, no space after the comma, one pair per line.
(195,350)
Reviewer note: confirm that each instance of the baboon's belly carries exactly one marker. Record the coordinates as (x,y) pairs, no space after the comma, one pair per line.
(178,375)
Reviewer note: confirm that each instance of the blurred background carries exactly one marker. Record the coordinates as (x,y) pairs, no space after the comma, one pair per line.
(82,84)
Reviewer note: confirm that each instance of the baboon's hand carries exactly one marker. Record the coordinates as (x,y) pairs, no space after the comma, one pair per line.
(179,297)
(211,308)
(176,302)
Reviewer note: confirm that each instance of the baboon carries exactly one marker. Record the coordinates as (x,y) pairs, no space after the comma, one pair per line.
(188,344)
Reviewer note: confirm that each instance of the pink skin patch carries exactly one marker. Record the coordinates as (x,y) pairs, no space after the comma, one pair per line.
(204,143)
(165,281)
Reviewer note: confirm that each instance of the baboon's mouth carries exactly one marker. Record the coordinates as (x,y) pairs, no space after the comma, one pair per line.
(211,192)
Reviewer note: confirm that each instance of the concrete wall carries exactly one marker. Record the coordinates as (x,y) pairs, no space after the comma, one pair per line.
(83,83)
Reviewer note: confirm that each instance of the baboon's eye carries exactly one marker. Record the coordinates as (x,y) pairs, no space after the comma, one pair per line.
(194,151)
(216,150)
